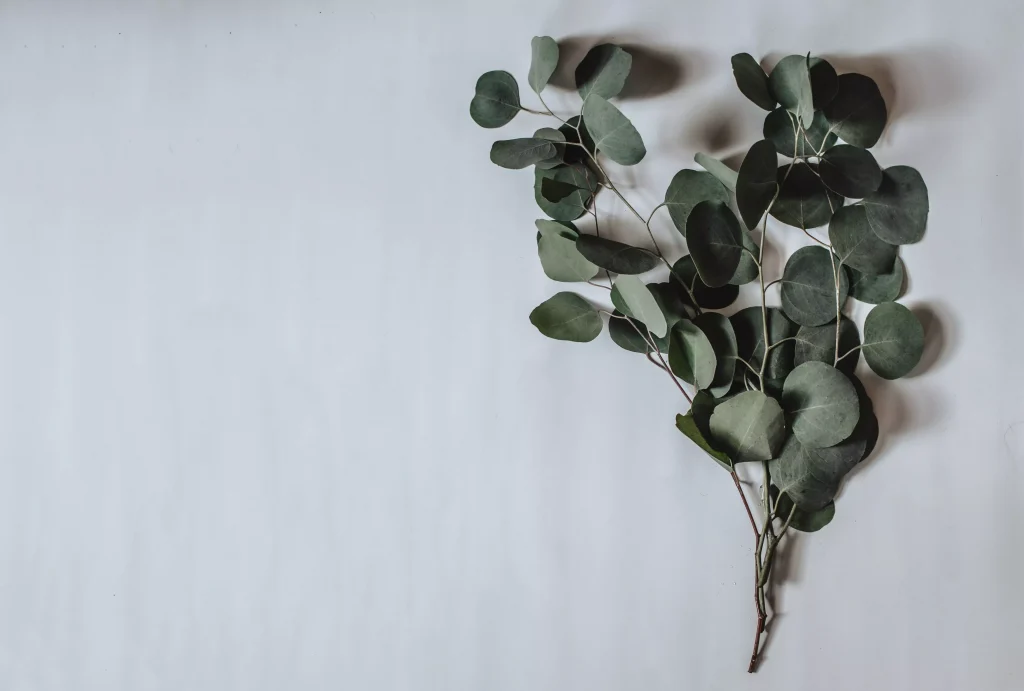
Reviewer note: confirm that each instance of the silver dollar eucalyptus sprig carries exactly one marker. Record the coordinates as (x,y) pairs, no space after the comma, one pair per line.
(771,387)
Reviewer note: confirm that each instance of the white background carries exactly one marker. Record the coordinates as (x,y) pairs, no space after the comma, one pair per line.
(272,415)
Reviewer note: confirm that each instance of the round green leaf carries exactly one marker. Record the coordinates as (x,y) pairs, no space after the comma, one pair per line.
(633,298)
(893,340)
(809,286)
(809,476)
(752,80)
(791,83)
(567,317)
(723,173)
(573,206)
(616,256)
(715,242)
(857,113)
(779,128)
(543,62)
(688,426)
(850,171)
(855,244)
(687,189)
(559,257)
(558,138)
(877,288)
(690,354)
(749,328)
(684,275)
(898,211)
(603,71)
(805,521)
(517,154)
(626,334)
(748,427)
(613,133)
(803,200)
(719,331)
(496,101)
(818,344)
(756,182)
(821,404)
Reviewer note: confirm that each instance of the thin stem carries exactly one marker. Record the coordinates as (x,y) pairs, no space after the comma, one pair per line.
(820,242)
(537,112)
(848,352)
(664,365)
(599,285)
(749,366)
(774,543)
(550,112)
(777,280)
(839,307)
(654,362)
(777,343)
(746,505)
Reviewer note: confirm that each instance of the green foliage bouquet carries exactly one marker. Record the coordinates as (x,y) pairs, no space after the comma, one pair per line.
(773,387)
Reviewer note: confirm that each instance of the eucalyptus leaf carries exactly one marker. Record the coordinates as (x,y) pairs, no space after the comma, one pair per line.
(714,237)
(723,173)
(559,257)
(691,355)
(719,331)
(616,256)
(575,132)
(821,404)
(850,171)
(613,133)
(877,288)
(701,409)
(857,113)
(626,334)
(687,189)
(805,521)
(672,300)
(556,137)
(818,343)
(496,101)
(803,200)
(893,340)
(555,191)
(856,245)
(791,84)
(749,328)
(748,427)
(633,298)
(780,128)
(520,153)
(688,426)
(809,286)
(684,275)
(576,204)
(757,182)
(809,476)
(567,317)
(543,63)
(867,425)
(603,71)
(898,211)
(752,80)
(746,271)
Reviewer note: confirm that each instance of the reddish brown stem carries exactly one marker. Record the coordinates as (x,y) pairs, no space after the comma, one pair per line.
(750,515)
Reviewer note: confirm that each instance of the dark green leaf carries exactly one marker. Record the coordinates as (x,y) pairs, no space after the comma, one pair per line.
(543,63)
(577,154)
(556,190)
(567,317)
(719,331)
(855,244)
(634,299)
(616,256)
(821,404)
(603,71)
(867,425)
(701,409)
(898,211)
(877,288)
(803,201)
(893,340)
(746,270)
(748,427)
(791,83)
(857,113)
(684,275)
(517,154)
(723,173)
(752,80)
(715,242)
(561,261)
(805,521)
(627,334)
(780,126)
(687,425)
(576,204)
(811,476)
(749,328)
(809,287)
(818,343)
(690,354)
(850,171)
(687,189)
(614,135)
(496,101)
(756,182)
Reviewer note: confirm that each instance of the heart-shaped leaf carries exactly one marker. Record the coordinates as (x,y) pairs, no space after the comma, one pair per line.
(496,101)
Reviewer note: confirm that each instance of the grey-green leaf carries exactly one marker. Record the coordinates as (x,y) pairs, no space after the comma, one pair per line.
(634,299)
(850,171)
(818,343)
(627,334)
(749,328)
(496,101)
(898,211)
(752,81)
(715,241)
(559,257)
(690,354)
(719,331)
(746,271)
(821,404)
(877,288)
(748,427)
(687,189)
(575,205)
(558,138)
(694,290)
(543,63)
(805,521)
(616,256)
(810,476)
(809,286)
(613,133)
(803,200)
(723,173)
(567,317)
(856,245)
(779,129)
(791,83)
(756,182)
(603,71)
(556,190)
(517,154)
(893,340)
(688,426)
(857,113)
